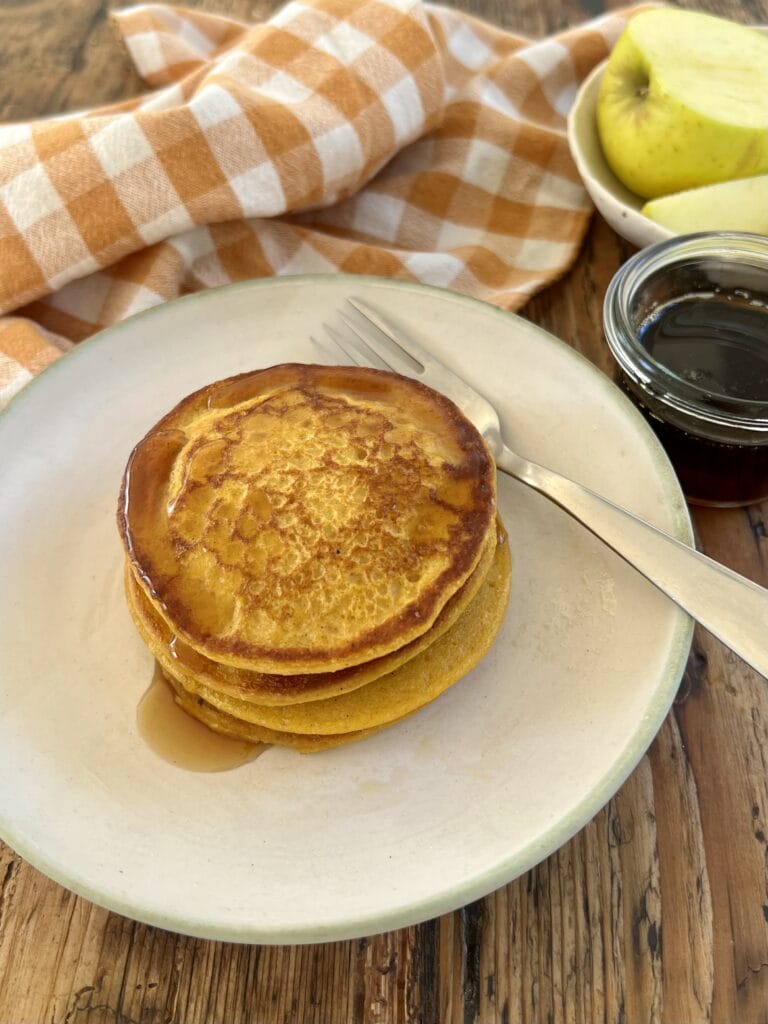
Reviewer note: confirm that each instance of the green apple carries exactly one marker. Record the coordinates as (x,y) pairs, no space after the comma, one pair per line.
(684,102)
(740,205)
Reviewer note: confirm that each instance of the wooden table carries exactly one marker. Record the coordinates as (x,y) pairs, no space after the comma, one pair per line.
(656,911)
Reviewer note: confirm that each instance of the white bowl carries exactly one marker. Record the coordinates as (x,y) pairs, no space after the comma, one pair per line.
(620,207)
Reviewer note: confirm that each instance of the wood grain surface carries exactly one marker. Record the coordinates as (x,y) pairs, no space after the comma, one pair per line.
(657,911)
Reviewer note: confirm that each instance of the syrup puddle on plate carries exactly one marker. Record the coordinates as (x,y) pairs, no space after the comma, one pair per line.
(183,741)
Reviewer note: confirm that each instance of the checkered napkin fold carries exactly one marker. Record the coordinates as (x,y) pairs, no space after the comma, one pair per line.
(367,136)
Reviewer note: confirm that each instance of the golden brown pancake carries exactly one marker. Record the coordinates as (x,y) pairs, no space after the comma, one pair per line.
(321,724)
(305,519)
(225,724)
(415,683)
(194,670)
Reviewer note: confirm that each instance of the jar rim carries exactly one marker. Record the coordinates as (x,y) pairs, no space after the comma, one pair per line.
(636,361)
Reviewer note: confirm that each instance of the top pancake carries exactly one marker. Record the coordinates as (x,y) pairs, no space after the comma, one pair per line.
(306,518)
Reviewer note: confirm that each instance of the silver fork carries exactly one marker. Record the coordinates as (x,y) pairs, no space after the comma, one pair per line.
(730,606)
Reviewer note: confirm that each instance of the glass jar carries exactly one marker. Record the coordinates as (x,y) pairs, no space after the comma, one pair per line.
(687,323)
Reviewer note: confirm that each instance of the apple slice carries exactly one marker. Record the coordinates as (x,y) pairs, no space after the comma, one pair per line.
(740,205)
(684,102)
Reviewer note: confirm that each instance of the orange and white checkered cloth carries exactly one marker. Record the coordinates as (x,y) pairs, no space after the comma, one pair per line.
(382,137)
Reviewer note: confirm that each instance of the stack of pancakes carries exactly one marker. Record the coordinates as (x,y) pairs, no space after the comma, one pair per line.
(313,553)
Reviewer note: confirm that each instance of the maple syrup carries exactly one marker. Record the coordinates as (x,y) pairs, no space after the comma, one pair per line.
(181,740)
(712,472)
(717,342)
(687,321)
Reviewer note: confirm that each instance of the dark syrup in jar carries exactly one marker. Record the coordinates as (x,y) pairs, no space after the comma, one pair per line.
(717,343)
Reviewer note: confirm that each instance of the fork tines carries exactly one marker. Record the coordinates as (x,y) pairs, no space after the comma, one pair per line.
(369,341)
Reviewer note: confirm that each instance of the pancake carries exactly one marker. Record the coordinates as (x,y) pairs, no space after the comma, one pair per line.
(196,672)
(305,519)
(324,724)
(417,682)
(225,724)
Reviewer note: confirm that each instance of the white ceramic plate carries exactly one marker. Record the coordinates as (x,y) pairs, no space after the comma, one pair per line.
(620,207)
(420,819)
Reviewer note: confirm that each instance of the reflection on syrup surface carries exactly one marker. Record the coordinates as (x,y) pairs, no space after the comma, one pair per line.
(183,741)
(716,343)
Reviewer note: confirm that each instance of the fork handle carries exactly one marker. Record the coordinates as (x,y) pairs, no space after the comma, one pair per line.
(730,606)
